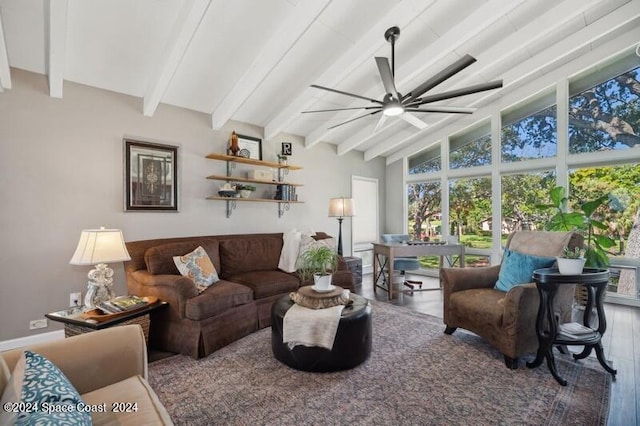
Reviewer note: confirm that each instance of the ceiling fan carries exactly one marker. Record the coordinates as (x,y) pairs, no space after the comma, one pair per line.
(396,104)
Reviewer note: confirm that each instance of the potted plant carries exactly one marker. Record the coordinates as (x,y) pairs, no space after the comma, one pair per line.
(245,190)
(571,262)
(319,263)
(584,222)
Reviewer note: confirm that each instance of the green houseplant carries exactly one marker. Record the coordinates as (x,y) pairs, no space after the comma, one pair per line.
(319,263)
(245,190)
(582,221)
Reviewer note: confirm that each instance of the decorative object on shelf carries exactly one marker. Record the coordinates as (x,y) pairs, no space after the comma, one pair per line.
(245,190)
(571,262)
(341,208)
(320,263)
(233,148)
(245,153)
(287,148)
(99,247)
(228,190)
(151,176)
(282,160)
(252,145)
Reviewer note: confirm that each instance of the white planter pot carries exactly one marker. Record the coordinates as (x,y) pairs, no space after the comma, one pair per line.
(245,193)
(570,266)
(322,281)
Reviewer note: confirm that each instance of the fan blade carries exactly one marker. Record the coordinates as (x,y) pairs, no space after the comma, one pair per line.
(412,119)
(346,93)
(383,118)
(446,73)
(482,87)
(354,119)
(338,109)
(451,110)
(387,77)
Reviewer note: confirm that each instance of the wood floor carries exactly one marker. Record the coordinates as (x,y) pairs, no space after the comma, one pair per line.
(621,344)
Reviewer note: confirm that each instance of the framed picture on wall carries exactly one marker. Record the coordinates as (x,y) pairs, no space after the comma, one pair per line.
(151,176)
(250,147)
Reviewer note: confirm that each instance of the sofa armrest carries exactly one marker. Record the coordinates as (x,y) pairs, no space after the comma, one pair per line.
(94,360)
(521,301)
(173,289)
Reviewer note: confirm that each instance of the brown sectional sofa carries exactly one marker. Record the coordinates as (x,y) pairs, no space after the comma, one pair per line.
(237,305)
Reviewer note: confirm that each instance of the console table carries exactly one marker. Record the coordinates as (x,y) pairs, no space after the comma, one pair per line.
(547,282)
(389,251)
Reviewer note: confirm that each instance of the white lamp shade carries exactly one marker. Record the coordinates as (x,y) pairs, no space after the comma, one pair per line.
(341,207)
(100,246)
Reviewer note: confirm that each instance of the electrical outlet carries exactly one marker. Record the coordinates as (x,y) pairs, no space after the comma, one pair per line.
(74,299)
(39,323)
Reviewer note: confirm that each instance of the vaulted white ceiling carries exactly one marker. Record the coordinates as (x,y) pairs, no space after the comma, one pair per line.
(254,60)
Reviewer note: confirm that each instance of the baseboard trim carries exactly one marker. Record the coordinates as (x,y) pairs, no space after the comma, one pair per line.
(31,340)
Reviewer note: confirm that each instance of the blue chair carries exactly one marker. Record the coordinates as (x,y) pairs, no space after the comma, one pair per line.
(403,264)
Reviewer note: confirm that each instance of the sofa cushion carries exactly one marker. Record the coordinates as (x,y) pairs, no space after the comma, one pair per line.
(159,259)
(133,393)
(217,299)
(36,381)
(240,255)
(267,283)
(197,266)
(517,268)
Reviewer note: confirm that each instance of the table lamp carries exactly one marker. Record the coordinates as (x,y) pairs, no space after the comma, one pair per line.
(341,208)
(99,247)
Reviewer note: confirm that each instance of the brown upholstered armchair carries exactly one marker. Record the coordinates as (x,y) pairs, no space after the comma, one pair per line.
(506,319)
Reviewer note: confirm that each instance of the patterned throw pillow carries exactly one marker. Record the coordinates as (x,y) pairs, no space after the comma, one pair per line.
(197,266)
(307,242)
(45,395)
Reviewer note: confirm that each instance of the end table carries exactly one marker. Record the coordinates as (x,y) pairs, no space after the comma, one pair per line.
(74,323)
(547,282)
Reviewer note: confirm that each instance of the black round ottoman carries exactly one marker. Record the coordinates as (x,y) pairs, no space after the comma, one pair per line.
(352,345)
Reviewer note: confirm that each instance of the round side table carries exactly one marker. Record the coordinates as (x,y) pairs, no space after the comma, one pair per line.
(547,282)
(352,345)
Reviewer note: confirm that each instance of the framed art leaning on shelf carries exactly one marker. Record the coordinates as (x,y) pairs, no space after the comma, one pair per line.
(151,176)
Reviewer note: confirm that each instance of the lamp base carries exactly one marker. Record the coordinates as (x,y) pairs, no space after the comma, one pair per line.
(100,286)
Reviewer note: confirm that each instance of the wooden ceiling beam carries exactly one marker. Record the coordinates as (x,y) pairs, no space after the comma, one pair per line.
(56,55)
(294,26)
(184,29)
(5,73)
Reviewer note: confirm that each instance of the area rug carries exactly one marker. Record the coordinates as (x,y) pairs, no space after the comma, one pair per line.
(416,375)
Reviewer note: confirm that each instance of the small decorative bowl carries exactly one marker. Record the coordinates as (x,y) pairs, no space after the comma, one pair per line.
(229,193)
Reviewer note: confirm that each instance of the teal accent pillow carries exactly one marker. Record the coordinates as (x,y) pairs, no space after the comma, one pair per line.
(517,268)
(45,393)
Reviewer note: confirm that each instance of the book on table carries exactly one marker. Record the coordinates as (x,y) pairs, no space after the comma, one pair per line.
(122,304)
(575,331)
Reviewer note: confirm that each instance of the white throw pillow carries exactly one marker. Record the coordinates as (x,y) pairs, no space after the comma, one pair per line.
(307,242)
(290,249)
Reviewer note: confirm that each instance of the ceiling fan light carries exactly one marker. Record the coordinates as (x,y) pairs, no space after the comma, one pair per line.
(392,109)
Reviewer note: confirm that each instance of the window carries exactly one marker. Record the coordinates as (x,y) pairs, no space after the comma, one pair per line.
(470,211)
(473,148)
(530,130)
(425,216)
(605,116)
(425,162)
(521,193)
(621,217)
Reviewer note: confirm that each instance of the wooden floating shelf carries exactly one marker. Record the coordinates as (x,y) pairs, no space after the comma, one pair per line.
(243,160)
(261,200)
(241,179)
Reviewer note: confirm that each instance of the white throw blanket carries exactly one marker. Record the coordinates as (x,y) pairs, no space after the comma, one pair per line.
(311,327)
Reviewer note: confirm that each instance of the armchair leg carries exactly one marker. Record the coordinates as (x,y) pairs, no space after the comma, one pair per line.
(450,330)
(511,363)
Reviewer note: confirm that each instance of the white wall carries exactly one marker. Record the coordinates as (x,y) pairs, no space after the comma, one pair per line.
(61,165)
